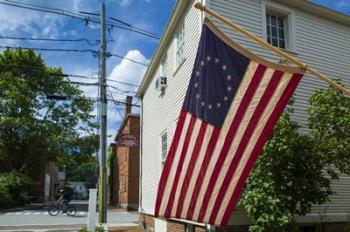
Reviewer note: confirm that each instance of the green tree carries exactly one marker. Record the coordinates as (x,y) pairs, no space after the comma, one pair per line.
(297,166)
(34,126)
(80,162)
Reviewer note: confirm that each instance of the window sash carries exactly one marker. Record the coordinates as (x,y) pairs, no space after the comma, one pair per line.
(276,30)
(180,45)
(164,147)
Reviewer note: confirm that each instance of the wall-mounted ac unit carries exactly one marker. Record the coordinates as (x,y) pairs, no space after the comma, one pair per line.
(161,83)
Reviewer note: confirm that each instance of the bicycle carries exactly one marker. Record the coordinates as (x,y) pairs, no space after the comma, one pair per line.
(65,208)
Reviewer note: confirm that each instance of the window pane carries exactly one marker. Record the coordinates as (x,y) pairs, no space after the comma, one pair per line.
(275,42)
(281,34)
(282,44)
(274,31)
(268,30)
(273,21)
(280,22)
(267,19)
(269,39)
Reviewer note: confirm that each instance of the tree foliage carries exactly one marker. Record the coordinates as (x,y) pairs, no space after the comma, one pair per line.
(12,187)
(297,166)
(35,127)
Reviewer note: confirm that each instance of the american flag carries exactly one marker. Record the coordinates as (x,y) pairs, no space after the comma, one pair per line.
(231,106)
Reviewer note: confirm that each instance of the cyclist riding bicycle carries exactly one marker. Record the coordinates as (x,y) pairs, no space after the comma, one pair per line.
(64,199)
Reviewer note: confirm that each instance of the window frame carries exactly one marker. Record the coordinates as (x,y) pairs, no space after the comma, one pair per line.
(280,27)
(289,23)
(165,151)
(180,46)
(163,66)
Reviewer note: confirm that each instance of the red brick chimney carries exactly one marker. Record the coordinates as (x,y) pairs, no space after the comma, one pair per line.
(128,103)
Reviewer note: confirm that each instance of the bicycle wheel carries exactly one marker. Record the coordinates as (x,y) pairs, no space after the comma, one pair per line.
(53,211)
(71,210)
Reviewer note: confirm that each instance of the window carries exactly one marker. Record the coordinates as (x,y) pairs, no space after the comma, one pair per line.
(276,30)
(164,141)
(180,45)
(163,66)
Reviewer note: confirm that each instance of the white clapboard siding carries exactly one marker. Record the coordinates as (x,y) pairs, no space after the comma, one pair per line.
(322,44)
(160,113)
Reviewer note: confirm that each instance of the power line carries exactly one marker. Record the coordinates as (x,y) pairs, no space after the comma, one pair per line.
(68,75)
(51,49)
(121,82)
(120,90)
(71,14)
(123,57)
(53,40)
(123,103)
(73,50)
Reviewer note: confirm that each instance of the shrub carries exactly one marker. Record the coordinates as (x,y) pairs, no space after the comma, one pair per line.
(13,186)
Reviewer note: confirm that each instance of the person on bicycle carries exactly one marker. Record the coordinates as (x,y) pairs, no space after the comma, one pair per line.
(64,199)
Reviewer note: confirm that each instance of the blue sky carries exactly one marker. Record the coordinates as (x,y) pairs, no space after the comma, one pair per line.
(150,15)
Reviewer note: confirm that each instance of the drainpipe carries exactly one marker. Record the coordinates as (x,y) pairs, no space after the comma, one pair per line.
(140,159)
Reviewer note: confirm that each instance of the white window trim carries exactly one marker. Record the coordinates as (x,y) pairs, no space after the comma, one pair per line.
(178,63)
(163,65)
(165,132)
(291,44)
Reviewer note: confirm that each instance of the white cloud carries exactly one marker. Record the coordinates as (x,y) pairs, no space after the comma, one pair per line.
(342,4)
(128,2)
(129,72)
(14,19)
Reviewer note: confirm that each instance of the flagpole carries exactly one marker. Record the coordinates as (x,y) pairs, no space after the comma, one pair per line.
(276,50)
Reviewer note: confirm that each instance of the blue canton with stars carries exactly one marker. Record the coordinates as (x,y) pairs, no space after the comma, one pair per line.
(216,76)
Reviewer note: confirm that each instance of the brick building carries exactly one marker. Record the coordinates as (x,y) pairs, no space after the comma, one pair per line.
(127,159)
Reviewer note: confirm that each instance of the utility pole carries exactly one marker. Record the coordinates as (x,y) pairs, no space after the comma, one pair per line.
(103,121)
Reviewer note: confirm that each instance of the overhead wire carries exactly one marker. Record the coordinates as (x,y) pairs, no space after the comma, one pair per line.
(70,75)
(94,52)
(80,16)
(51,49)
(53,40)
(126,58)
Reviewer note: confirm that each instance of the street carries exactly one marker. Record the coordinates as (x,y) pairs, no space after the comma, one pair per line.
(39,218)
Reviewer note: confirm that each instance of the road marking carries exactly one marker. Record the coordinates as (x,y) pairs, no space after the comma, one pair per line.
(45,213)
(11,213)
(27,213)
(18,213)
(37,213)
(81,213)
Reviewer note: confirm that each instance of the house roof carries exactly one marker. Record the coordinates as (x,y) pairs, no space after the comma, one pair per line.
(181,6)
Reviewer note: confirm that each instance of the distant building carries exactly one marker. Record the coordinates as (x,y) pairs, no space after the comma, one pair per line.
(126,152)
(80,191)
(316,35)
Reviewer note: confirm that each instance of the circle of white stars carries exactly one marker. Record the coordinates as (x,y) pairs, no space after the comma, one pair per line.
(227,77)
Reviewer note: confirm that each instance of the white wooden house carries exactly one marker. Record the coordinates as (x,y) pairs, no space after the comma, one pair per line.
(316,35)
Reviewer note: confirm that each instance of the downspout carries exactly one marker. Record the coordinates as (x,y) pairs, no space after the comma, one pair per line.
(140,159)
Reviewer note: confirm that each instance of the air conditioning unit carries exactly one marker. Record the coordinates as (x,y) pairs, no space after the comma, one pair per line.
(161,83)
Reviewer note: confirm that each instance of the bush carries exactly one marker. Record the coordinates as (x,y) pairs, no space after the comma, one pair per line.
(13,186)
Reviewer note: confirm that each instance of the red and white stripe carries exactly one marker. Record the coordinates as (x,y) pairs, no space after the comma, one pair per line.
(207,167)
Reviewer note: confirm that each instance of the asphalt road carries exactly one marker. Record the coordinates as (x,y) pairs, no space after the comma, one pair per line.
(40,218)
